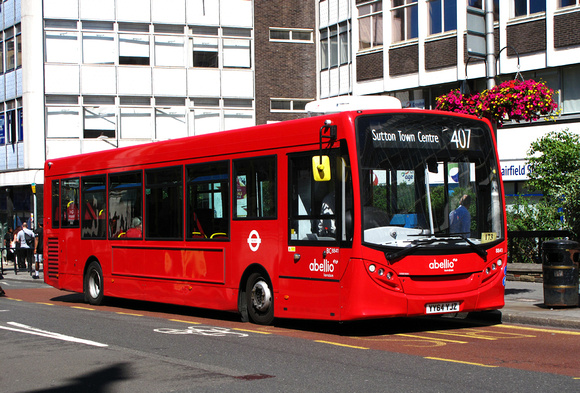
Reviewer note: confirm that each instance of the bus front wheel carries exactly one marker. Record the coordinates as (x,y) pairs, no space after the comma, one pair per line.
(93,284)
(259,299)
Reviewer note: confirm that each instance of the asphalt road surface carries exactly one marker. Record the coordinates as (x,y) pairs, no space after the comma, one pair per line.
(53,342)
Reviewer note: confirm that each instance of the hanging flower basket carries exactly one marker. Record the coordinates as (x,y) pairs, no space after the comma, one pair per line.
(512,100)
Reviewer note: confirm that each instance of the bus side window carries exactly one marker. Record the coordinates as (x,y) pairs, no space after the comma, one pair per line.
(69,206)
(163,204)
(125,202)
(255,195)
(93,214)
(313,203)
(208,190)
(55,204)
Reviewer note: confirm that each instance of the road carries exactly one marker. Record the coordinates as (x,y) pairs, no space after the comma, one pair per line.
(53,342)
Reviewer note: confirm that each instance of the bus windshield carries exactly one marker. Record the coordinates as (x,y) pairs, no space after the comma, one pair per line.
(429,180)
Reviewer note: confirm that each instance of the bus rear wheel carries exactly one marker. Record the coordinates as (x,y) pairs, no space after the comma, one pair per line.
(259,299)
(93,284)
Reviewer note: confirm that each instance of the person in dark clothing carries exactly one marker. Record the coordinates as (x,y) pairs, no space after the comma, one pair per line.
(8,239)
(38,244)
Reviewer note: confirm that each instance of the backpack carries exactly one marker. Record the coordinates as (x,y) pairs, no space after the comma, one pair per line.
(29,240)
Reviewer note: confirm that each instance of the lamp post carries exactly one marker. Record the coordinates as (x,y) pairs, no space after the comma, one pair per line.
(489,44)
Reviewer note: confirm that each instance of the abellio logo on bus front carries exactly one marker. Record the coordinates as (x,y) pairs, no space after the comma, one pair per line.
(446,265)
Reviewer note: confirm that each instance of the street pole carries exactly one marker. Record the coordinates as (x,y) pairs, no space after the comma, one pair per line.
(489,43)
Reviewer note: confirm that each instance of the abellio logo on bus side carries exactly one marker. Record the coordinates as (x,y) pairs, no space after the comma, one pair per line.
(327,266)
(324,267)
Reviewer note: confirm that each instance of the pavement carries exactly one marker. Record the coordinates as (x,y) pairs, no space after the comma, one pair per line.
(524,304)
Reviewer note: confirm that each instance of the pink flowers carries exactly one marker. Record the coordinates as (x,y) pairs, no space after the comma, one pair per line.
(512,100)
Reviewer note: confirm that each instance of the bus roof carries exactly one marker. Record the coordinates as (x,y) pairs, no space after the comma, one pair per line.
(351,103)
(265,137)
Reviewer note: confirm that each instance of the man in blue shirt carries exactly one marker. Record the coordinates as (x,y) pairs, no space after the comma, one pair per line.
(460,219)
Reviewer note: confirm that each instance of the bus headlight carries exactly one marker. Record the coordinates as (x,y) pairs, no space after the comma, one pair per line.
(491,270)
(383,275)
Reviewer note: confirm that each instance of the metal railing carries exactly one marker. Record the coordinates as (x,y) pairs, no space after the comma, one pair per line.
(526,246)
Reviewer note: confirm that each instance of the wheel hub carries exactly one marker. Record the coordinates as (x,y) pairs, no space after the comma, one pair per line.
(261,296)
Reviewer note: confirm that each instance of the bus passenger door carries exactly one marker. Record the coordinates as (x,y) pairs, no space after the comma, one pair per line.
(318,237)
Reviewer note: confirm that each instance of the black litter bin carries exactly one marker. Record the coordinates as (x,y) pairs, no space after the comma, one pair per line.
(560,266)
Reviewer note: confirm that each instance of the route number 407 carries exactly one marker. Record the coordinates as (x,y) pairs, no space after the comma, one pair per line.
(461,138)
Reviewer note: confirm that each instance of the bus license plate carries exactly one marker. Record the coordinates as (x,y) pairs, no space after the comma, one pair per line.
(439,308)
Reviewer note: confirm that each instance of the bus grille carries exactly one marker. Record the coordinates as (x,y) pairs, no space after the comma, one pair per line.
(52,258)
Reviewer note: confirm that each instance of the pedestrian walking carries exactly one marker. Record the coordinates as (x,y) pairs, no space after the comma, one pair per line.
(38,249)
(19,253)
(8,238)
(26,239)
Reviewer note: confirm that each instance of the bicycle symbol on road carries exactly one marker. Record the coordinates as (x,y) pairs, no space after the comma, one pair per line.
(202,331)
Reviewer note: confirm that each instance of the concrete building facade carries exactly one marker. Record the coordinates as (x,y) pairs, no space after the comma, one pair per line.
(416,50)
(78,76)
(81,75)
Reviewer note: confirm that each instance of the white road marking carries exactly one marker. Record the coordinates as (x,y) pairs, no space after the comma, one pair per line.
(43,333)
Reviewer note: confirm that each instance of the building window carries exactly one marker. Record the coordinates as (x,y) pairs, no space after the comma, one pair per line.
(234,47)
(134,49)
(405,20)
(10,53)
(571,90)
(136,123)
(1,57)
(170,122)
(236,53)
(2,129)
(479,4)
(62,47)
(370,25)
(169,50)
(20,120)
(567,3)
(99,48)
(18,47)
(205,52)
(99,121)
(442,16)
(335,45)
(290,35)
(288,105)
(11,129)
(527,7)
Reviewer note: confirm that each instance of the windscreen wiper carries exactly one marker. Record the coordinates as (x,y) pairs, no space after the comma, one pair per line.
(394,256)
(478,250)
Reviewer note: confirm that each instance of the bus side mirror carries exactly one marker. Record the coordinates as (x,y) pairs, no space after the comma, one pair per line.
(321,168)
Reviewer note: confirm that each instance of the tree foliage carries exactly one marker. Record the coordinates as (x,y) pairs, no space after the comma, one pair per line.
(555,171)
(524,215)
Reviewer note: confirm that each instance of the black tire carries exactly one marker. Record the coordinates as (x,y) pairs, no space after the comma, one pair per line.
(93,284)
(260,299)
